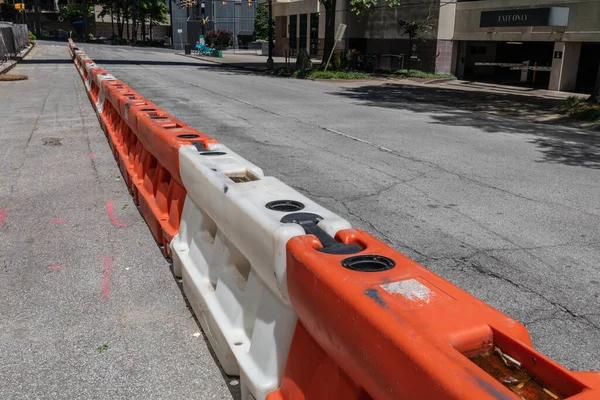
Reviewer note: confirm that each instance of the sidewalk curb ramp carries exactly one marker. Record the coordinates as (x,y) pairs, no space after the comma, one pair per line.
(294,300)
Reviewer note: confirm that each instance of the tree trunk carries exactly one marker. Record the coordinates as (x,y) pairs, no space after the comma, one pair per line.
(144,30)
(595,97)
(36,27)
(151,29)
(410,53)
(112,24)
(329,6)
(126,21)
(120,25)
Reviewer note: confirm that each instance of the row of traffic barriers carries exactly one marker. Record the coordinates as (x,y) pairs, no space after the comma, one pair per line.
(294,300)
(145,142)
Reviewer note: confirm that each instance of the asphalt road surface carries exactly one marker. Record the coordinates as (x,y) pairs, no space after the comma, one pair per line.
(507,210)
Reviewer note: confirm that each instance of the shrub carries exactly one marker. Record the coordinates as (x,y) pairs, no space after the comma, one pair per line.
(316,74)
(220,38)
(577,107)
(31,36)
(415,73)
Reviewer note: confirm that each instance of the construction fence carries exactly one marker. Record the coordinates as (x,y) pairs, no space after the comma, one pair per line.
(13,39)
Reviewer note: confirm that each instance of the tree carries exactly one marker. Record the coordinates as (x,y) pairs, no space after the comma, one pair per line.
(358,7)
(7,12)
(74,13)
(157,14)
(141,14)
(261,24)
(414,30)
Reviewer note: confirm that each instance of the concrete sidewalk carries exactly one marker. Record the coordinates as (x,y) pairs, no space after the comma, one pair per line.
(245,60)
(7,66)
(88,306)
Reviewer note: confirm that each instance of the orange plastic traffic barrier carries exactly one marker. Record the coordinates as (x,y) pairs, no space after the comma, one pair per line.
(376,325)
(145,142)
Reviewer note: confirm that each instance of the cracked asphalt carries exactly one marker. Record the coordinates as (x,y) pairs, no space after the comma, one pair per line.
(506,209)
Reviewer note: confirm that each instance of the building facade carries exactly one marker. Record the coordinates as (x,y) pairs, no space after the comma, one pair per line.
(300,24)
(235,16)
(552,44)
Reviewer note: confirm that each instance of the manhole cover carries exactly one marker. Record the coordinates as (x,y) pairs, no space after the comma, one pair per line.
(51,141)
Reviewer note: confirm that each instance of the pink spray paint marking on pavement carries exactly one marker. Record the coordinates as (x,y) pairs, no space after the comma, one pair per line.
(106,267)
(92,155)
(58,220)
(3,213)
(53,267)
(109,211)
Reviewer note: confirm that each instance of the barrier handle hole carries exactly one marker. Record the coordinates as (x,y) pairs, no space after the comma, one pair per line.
(368,263)
(285,205)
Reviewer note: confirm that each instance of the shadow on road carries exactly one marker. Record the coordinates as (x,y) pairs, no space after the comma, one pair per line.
(497,112)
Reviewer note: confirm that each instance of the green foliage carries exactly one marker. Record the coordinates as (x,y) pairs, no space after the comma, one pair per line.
(415,29)
(572,101)
(261,24)
(151,11)
(103,348)
(157,11)
(579,108)
(7,12)
(359,7)
(317,74)
(74,12)
(31,36)
(415,73)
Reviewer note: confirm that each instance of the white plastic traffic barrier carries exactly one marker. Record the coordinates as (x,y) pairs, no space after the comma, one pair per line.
(101,97)
(77,54)
(88,75)
(82,62)
(230,251)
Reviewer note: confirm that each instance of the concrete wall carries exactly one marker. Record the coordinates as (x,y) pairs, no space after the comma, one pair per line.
(584,21)
(382,22)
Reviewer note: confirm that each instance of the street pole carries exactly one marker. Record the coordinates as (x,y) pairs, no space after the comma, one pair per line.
(203,14)
(234,34)
(85,20)
(172,33)
(270,59)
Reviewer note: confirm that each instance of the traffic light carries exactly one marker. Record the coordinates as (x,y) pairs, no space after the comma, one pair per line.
(249,3)
(19,6)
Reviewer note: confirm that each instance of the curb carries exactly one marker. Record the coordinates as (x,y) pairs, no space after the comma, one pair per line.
(439,80)
(16,61)
(222,63)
